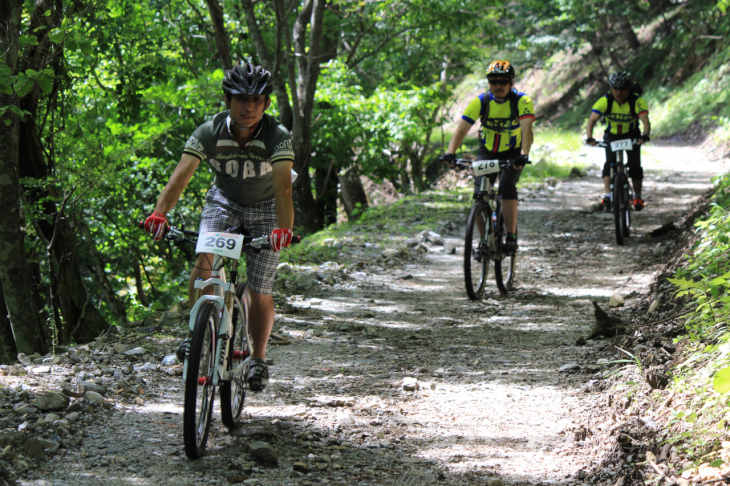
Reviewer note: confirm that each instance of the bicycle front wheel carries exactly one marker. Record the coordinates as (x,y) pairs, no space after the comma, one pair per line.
(199,389)
(505,265)
(476,259)
(620,207)
(626,228)
(233,392)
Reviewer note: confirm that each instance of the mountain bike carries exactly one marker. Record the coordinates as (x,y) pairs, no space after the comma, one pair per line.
(621,191)
(220,346)
(486,232)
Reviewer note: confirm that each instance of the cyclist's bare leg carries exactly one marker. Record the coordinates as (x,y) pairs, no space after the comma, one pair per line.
(201,269)
(509,209)
(607,184)
(637,187)
(261,320)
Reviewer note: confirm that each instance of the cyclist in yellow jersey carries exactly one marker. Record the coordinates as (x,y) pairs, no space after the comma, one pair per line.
(622,117)
(506,117)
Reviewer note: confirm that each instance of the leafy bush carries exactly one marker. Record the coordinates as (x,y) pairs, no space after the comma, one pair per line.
(699,424)
(370,131)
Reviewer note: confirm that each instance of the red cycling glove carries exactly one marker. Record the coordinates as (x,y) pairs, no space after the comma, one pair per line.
(156,223)
(280,238)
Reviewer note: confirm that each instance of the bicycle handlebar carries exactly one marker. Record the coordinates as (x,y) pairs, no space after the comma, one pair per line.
(179,235)
(503,164)
(603,144)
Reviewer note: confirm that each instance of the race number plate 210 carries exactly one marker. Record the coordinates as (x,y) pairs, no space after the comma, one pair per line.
(484,167)
(223,244)
(618,145)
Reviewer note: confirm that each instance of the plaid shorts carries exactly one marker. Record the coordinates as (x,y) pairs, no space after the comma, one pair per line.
(222,214)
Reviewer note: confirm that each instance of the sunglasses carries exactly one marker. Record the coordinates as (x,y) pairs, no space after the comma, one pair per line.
(499,82)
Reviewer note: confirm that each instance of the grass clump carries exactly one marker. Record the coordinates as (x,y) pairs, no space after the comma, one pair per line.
(380,227)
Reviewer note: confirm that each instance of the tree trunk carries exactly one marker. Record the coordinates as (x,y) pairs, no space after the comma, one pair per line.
(628,32)
(139,283)
(658,6)
(404,179)
(326,183)
(300,59)
(15,275)
(416,163)
(307,216)
(8,351)
(352,194)
(221,35)
(96,264)
(81,320)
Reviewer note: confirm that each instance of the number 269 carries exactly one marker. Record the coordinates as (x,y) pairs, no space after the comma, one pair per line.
(220,242)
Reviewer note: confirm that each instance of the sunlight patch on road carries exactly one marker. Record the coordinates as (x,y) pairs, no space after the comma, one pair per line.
(174,407)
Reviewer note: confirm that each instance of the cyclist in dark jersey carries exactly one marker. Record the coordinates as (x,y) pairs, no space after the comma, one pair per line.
(252,156)
(506,117)
(621,122)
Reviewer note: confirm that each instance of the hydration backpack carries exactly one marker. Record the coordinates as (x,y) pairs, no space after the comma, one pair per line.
(513,97)
(636,91)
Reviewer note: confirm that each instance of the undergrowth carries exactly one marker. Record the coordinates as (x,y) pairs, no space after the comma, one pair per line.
(700,420)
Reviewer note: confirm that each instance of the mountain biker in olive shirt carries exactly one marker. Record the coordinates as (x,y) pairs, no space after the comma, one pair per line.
(251,154)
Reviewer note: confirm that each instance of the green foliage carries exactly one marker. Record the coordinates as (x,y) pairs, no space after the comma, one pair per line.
(370,131)
(137,78)
(700,102)
(721,380)
(704,280)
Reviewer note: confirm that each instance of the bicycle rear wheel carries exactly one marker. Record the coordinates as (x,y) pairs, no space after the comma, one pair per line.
(476,260)
(233,392)
(620,206)
(505,264)
(199,389)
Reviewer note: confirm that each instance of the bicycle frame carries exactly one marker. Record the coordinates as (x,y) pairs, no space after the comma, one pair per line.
(485,231)
(619,167)
(620,195)
(620,164)
(224,304)
(212,344)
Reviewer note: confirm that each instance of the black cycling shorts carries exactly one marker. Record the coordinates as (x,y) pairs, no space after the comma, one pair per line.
(635,170)
(508,178)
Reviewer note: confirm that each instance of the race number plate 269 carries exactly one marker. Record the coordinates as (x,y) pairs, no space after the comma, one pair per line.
(223,244)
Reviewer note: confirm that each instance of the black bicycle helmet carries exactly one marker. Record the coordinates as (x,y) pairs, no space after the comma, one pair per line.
(247,79)
(501,68)
(620,80)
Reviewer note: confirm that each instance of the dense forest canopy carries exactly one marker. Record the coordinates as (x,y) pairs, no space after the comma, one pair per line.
(97,99)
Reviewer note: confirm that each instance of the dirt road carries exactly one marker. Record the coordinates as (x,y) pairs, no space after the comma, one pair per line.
(393,377)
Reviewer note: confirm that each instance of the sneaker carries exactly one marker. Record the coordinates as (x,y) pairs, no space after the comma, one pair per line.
(638,204)
(510,244)
(258,374)
(606,203)
(183,350)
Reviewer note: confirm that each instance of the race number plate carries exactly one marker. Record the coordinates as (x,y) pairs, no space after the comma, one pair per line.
(618,145)
(484,167)
(223,244)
